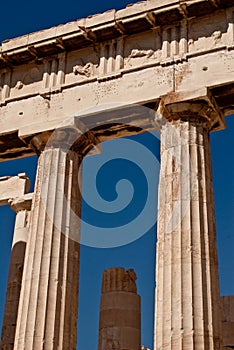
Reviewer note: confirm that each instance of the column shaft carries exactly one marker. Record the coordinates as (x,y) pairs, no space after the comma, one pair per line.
(120,311)
(14,280)
(187,294)
(49,299)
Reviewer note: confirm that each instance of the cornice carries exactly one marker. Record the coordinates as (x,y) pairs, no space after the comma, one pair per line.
(135,18)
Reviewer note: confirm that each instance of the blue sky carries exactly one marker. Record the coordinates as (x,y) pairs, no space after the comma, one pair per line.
(140,254)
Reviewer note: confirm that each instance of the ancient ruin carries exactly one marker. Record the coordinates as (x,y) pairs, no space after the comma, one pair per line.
(14,191)
(120,311)
(66,89)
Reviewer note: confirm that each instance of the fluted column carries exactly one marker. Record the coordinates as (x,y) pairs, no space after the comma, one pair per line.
(187,292)
(47,317)
(22,207)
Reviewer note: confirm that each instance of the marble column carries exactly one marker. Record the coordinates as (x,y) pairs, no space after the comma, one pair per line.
(47,317)
(120,311)
(187,285)
(22,207)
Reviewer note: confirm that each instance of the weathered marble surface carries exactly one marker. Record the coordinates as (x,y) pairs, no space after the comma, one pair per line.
(175,57)
(188,311)
(13,190)
(13,187)
(152,49)
(120,311)
(47,315)
(227,303)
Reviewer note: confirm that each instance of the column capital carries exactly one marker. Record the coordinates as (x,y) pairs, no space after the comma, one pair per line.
(21,203)
(72,135)
(204,112)
(13,186)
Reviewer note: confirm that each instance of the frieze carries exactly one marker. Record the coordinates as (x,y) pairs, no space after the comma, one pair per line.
(86,70)
(110,59)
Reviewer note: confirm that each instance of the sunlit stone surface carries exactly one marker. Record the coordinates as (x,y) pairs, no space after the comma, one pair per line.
(175,58)
(120,311)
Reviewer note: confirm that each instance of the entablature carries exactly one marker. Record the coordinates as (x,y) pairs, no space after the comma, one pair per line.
(135,18)
(175,51)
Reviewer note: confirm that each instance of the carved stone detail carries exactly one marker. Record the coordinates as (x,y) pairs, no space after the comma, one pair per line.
(5,85)
(111,57)
(87,66)
(86,70)
(117,279)
(141,53)
(187,294)
(217,35)
(19,85)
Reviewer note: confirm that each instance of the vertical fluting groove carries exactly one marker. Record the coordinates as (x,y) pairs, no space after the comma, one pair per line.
(162,241)
(167,258)
(209,233)
(63,264)
(180,258)
(173,174)
(160,249)
(76,208)
(187,285)
(170,261)
(193,282)
(212,264)
(48,237)
(177,325)
(174,252)
(198,222)
(38,255)
(207,282)
(26,302)
(176,313)
(72,313)
(47,315)
(53,264)
(206,239)
(193,255)
(68,304)
(69,266)
(43,268)
(181,246)
(197,234)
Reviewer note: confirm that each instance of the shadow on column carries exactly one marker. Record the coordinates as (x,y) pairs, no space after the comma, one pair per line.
(12,297)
